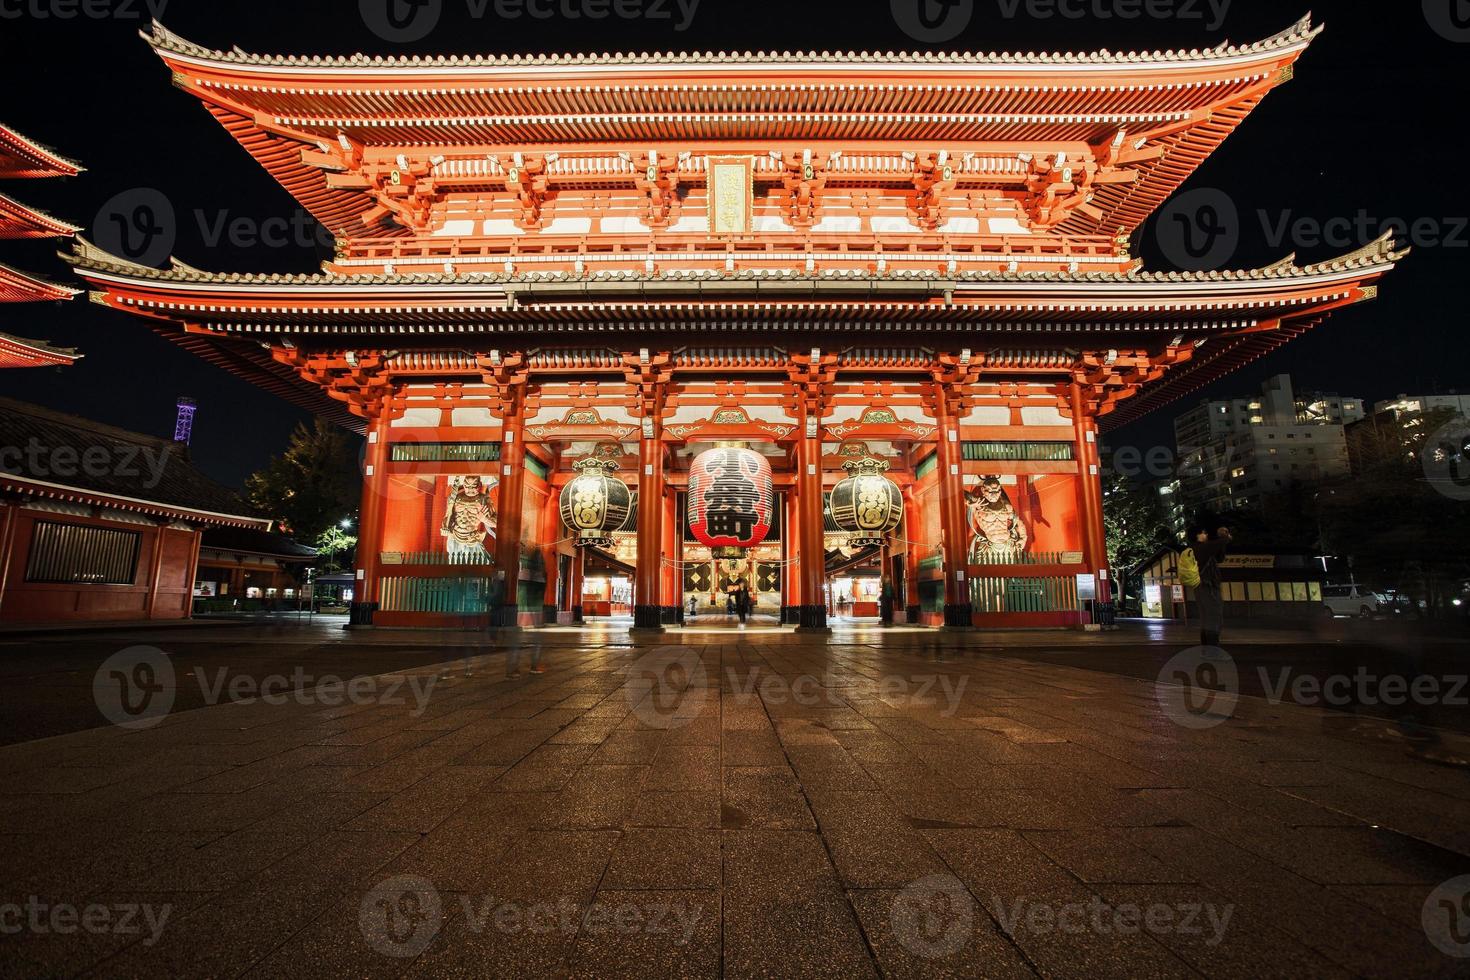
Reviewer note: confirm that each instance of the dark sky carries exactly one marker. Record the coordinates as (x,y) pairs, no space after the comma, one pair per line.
(1374,122)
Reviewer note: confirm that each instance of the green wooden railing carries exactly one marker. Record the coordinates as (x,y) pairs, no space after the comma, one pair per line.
(434,558)
(1020,595)
(467,594)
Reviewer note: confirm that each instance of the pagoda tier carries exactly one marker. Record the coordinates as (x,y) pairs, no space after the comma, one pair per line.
(23,158)
(19,221)
(20,287)
(17,352)
(1171,331)
(1043,162)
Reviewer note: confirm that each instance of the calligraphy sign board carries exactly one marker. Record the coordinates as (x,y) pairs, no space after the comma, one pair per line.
(730,189)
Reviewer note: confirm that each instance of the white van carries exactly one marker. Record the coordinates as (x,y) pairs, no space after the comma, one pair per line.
(1350,600)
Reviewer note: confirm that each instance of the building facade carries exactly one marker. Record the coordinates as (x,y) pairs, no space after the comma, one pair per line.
(98,523)
(1401,425)
(1234,451)
(920,259)
(1273,585)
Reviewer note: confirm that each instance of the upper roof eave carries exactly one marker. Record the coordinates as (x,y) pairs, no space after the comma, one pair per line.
(43,289)
(173,47)
(46,160)
(43,224)
(1376,257)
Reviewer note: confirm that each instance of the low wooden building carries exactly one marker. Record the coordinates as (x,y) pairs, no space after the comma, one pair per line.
(1255,585)
(98,523)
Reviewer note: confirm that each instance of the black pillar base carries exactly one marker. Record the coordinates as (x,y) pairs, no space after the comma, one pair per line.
(1104,613)
(913,614)
(503,616)
(548,614)
(361,613)
(790,614)
(648,618)
(812,619)
(958,615)
(669,615)
(577,613)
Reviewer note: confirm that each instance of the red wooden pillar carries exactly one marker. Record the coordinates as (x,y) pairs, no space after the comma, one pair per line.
(7,548)
(668,561)
(1095,514)
(913,524)
(370,520)
(575,586)
(155,568)
(647,614)
(813,568)
(550,555)
(790,556)
(509,516)
(1089,495)
(953,526)
(192,572)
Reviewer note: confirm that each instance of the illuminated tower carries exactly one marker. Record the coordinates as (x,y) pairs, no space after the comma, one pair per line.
(184,423)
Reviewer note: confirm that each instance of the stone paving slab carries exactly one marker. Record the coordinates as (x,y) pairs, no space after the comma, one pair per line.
(719,804)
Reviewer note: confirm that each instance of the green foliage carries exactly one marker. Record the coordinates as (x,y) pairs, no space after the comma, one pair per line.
(1136,521)
(313,485)
(332,542)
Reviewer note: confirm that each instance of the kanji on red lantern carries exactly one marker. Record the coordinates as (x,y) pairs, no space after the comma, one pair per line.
(730,498)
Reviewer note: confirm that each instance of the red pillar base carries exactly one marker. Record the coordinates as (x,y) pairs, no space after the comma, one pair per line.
(812,619)
(648,619)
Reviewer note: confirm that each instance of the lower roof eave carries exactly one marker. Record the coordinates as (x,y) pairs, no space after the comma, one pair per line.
(60,491)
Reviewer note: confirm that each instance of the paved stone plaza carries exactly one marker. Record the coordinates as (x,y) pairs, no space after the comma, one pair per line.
(714,802)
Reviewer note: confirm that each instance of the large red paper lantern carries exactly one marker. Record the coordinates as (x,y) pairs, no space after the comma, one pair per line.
(730,498)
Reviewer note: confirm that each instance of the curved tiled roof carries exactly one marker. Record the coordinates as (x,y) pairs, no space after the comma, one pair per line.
(1301,32)
(20,352)
(22,157)
(157,475)
(21,287)
(1380,252)
(19,220)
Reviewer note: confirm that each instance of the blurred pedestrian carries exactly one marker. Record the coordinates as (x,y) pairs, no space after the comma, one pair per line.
(1208,553)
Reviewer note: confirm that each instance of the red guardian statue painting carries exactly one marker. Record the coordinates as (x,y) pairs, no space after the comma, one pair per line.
(998,530)
(468,527)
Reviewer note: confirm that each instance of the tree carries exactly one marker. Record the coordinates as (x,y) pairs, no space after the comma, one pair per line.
(313,485)
(1400,532)
(1136,522)
(333,541)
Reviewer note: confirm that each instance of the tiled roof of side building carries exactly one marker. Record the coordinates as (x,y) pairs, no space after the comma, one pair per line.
(56,449)
(250,541)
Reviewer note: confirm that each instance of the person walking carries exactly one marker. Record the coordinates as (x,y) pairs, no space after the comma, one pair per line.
(1208,553)
(742,600)
(693,608)
(885,602)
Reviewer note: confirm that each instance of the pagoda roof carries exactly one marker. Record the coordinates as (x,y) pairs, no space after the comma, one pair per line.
(1223,319)
(312,296)
(20,221)
(159,480)
(22,157)
(167,41)
(1157,113)
(22,287)
(18,352)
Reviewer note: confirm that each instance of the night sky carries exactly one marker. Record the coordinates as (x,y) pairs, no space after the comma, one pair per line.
(1373,122)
